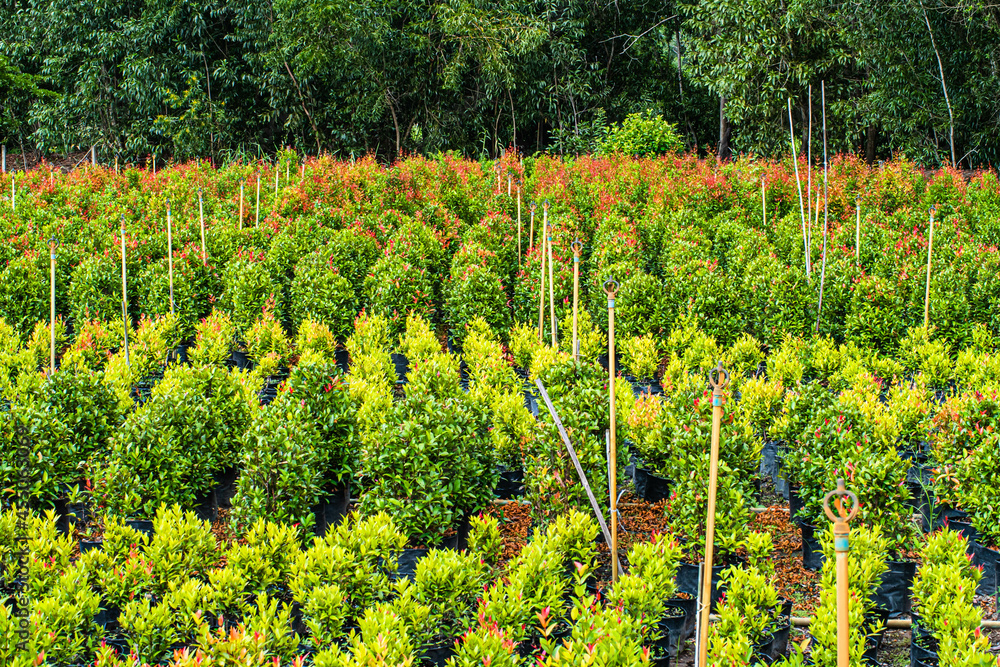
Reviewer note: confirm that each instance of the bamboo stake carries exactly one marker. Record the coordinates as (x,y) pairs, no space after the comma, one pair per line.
(611,289)
(577,249)
(927,289)
(303,169)
(826,212)
(125,322)
(552,282)
(170,257)
(52,306)
(509,179)
(719,383)
(519,223)
(13,193)
(241,206)
(809,178)
(763,200)
(841,543)
(857,232)
(3,159)
(531,233)
(798,182)
(201,219)
(288,166)
(154,164)
(276,174)
(256,221)
(541,297)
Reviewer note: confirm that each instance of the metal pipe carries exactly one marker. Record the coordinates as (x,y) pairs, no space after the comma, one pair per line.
(611,289)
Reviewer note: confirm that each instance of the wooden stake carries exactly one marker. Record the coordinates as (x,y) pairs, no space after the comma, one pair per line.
(170,258)
(611,289)
(719,383)
(552,283)
(927,289)
(154,164)
(256,221)
(241,206)
(508,184)
(93,156)
(577,249)
(798,182)
(303,169)
(3,159)
(13,193)
(276,173)
(201,220)
(809,171)
(125,321)
(52,306)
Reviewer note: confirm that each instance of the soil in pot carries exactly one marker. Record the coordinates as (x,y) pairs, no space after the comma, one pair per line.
(894,593)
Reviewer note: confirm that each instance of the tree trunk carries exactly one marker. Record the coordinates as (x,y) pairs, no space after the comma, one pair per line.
(870,145)
(725,131)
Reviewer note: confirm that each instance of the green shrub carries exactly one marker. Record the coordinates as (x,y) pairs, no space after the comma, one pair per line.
(322,293)
(396,288)
(642,134)
(249,289)
(476,292)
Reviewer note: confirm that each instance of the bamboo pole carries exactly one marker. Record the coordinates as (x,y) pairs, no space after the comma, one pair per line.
(541,297)
(201,220)
(13,193)
(857,231)
(256,220)
(826,212)
(531,232)
(577,249)
(3,159)
(519,223)
(125,321)
(241,206)
(719,382)
(52,306)
(509,180)
(288,166)
(798,182)
(277,172)
(154,164)
(927,289)
(611,289)
(841,543)
(763,200)
(809,172)
(552,282)
(170,257)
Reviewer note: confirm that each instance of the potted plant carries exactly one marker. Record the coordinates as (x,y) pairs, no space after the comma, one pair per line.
(642,359)
(472,293)
(320,292)
(213,343)
(395,288)
(316,343)
(416,344)
(269,348)
(593,342)
(248,287)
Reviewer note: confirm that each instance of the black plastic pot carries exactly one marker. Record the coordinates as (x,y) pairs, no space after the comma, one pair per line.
(762,651)
(239,359)
(332,509)
(920,655)
(646,387)
(438,655)
(795,502)
(107,617)
(687,580)
(649,487)
(144,526)
(672,629)
(460,540)
(510,485)
(986,558)
(408,560)
(894,593)
(87,545)
(402,365)
(180,353)
(942,515)
(225,486)
(531,403)
(206,506)
(812,553)
(769,461)
(343,360)
(875,617)
(780,633)
(968,532)
(78,513)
